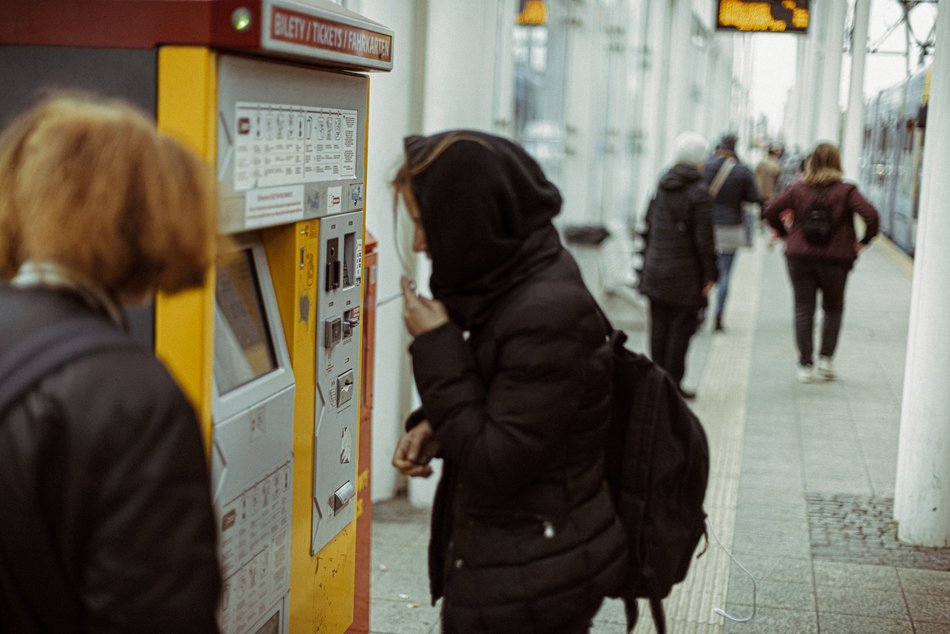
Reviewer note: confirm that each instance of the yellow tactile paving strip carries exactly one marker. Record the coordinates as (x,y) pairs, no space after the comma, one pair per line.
(721,406)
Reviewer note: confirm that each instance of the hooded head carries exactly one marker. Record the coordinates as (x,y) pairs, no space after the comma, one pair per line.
(486,209)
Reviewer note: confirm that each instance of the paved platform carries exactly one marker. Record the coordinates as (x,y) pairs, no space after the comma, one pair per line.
(801,485)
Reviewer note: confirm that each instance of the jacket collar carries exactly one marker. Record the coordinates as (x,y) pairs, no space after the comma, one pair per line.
(51,275)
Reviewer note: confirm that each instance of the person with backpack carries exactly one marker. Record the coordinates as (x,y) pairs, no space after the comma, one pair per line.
(731,184)
(106,521)
(679,266)
(820,249)
(514,370)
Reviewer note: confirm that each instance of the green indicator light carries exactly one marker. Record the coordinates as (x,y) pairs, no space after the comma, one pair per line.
(241,19)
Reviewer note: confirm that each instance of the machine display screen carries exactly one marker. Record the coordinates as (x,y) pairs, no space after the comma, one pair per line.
(243,350)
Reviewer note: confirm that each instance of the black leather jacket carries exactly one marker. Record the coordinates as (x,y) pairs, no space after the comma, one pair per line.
(108,452)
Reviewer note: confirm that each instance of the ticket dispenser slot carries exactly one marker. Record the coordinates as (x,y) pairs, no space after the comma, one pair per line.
(337,371)
(333,266)
(252,456)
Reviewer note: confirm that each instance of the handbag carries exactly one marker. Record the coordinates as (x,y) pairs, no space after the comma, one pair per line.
(731,237)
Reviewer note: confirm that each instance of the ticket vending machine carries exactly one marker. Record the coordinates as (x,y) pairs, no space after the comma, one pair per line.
(274,94)
(252,443)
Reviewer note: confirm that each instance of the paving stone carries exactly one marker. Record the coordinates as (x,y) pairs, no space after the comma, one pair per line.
(763,567)
(774,594)
(402,617)
(862,602)
(771,621)
(850,624)
(932,608)
(921,627)
(925,581)
(829,573)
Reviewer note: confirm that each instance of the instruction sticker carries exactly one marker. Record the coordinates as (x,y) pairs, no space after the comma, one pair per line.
(283,144)
(334,200)
(274,205)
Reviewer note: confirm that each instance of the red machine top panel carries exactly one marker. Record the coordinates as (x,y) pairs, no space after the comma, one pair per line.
(306,30)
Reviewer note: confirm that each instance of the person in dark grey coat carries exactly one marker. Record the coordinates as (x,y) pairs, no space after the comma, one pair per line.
(106,523)
(513,368)
(679,257)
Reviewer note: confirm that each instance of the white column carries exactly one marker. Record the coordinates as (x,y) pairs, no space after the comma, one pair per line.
(653,119)
(829,112)
(459,65)
(854,127)
(585,78)
(810,82)
(922,492)
(457,41)
(393,113)
(503,109)
(796,129)
(678,80)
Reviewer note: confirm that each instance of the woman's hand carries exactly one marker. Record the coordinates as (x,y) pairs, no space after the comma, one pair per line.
(421,314)
(415,450)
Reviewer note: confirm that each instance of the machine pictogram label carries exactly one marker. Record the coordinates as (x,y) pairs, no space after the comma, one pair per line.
(284,144)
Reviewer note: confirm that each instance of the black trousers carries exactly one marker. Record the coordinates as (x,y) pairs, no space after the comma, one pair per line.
(671,328)
(808,277)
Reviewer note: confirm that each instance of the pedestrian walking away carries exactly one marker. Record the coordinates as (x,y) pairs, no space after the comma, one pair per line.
(513,367)
(731,184)
(106,522)
(821,247)
(679,257)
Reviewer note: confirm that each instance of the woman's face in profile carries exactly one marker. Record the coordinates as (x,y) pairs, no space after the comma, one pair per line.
(419,244)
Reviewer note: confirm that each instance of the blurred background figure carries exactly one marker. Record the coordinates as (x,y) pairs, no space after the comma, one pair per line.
(731,184)
(679,256)
(820,248)
(768,171)
(106,520)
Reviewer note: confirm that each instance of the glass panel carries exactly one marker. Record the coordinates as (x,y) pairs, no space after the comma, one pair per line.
(243,350)
(540,56)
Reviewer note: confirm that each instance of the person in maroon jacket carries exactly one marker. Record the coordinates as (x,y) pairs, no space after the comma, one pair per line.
(820,264)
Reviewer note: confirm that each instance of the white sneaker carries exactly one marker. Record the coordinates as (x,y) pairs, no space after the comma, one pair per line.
(806,374)
(826,369)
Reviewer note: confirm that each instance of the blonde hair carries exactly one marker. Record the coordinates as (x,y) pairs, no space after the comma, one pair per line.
(402,182)
(91,185)
(823,165)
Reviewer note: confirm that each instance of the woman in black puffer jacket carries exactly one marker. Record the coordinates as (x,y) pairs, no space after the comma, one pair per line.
(679,266)
(514,372)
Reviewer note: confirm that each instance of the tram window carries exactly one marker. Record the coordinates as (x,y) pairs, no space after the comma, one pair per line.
(884,140)
(243,350)
(909,136)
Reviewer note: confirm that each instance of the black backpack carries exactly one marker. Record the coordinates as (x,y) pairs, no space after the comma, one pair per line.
(818,226)
(657,466)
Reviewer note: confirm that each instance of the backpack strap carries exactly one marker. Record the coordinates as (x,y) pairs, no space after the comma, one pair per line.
(721,176)
(21,367)
(48,349)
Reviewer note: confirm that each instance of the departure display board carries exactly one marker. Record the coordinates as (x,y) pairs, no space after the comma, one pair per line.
(763,16)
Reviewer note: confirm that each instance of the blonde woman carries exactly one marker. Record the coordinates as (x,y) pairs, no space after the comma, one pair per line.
(514,371)
(820,248)
(101,459)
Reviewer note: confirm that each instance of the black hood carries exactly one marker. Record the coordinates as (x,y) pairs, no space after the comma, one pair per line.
(486,208)
(680,176)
